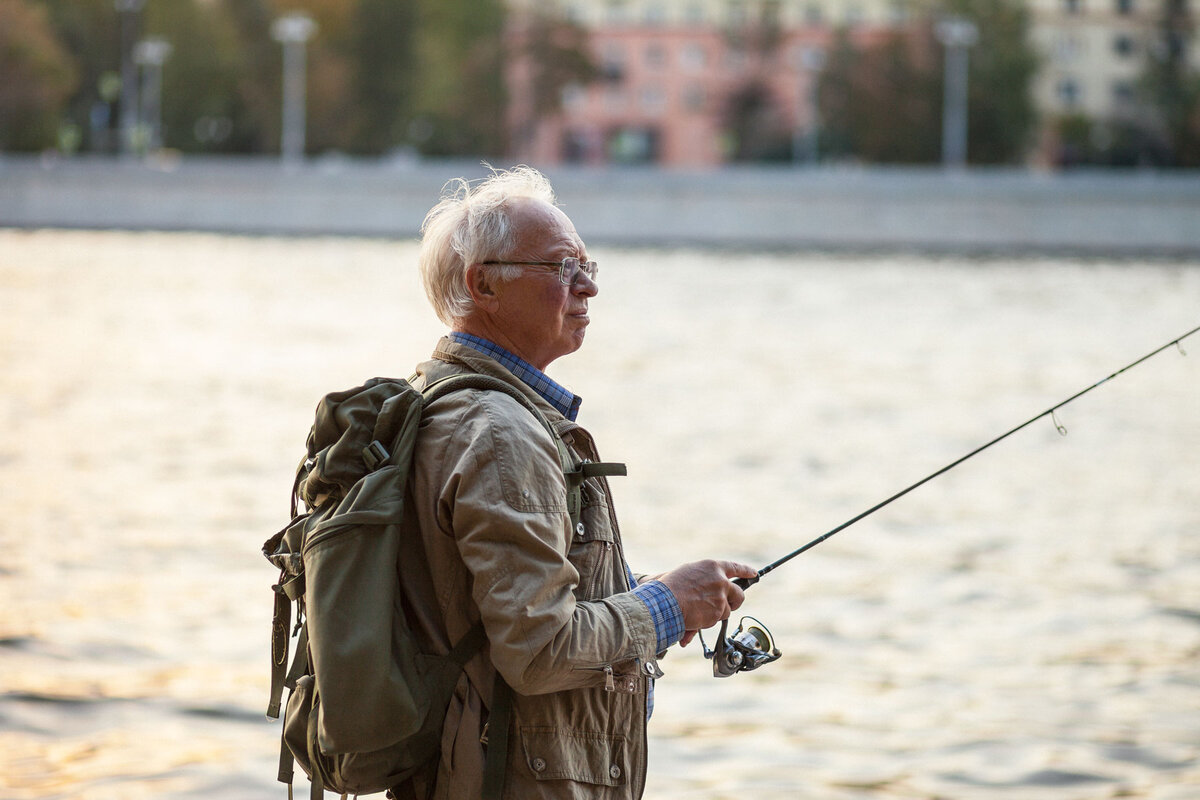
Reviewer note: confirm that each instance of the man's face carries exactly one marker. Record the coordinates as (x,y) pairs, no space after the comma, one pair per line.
(536,316)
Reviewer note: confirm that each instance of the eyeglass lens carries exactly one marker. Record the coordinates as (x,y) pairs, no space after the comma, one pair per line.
(572,266)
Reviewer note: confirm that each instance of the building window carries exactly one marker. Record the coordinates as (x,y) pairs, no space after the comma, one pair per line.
(1122,93)
(1073,6)
(574,13)
(694,13)
(653,99)
(618,12)
(693,97)
(735,14)
(615,99)
(612,63)
(1123,45)
(574,98)
(693,57)
(655,14)
(1067,48)
(656,56)
(1124,7)
(813,15)
(1068,92)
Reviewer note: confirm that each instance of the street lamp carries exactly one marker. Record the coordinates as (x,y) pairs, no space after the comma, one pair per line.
(805,140)
(129,11)
(293,31)
(151,54)
(956,35)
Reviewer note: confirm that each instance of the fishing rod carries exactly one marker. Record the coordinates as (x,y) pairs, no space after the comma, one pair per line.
(751,646)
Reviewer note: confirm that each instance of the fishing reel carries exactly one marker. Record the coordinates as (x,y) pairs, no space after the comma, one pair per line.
(747,649)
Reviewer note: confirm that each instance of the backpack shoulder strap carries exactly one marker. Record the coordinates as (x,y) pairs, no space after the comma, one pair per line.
(574,472)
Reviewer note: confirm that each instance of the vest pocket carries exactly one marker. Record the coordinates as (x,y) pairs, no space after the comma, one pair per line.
(553,753)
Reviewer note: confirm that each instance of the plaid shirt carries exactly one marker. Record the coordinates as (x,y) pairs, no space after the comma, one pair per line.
(658,599)
(554,394)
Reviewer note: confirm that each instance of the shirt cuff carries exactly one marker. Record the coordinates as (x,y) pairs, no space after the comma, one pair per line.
(664,611)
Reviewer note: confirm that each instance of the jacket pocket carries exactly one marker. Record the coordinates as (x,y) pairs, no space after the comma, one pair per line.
(555,754)
(591,554)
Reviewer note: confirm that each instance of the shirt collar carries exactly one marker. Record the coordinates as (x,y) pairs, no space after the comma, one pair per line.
(556,395)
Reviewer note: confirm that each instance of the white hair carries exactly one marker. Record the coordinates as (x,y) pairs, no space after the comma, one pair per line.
(472,224)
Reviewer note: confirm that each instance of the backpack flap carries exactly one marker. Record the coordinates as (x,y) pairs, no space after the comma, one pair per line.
(346,423)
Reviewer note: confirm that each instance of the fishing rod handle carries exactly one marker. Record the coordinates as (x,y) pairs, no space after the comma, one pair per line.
(745,583)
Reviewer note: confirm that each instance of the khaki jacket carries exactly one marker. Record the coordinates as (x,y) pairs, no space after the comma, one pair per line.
(488,495)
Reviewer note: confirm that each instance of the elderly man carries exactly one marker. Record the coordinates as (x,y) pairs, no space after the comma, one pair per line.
(568,627)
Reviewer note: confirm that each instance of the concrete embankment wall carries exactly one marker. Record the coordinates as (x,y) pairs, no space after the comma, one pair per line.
(1111,213)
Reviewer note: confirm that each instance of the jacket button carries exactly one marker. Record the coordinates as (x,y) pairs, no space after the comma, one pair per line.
(614,771)
(538,764)
(580,529)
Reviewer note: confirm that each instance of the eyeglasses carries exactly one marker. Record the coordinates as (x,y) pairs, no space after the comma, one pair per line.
(568,269)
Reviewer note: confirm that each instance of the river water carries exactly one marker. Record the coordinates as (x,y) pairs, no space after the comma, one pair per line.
(1026,626)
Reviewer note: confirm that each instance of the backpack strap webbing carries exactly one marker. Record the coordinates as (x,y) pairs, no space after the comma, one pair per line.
(499,716)
(574,473)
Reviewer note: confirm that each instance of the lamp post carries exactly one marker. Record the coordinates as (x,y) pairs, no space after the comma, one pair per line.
(956,35)
(150,54)
(129,11)
(293,32)
(812,59)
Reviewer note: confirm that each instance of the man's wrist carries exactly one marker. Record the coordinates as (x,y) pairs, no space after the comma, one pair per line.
(664,611)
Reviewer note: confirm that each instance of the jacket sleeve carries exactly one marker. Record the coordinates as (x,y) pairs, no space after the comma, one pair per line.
(504,499)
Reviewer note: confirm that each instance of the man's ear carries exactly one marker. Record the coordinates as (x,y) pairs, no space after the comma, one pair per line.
(482,288)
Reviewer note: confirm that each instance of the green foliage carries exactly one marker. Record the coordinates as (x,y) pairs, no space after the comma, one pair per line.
(1170,87)
(385,65)
(88,32)
(882,101)
(753,126)
(38,77)
(204,108)
(1002,65)
(1083,141)
(461,96)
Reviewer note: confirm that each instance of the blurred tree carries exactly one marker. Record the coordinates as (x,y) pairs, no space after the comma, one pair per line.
(461,95)
(383,39)
(203,108)
(1002,64)
(545,54)
(559,53)
(38,78)
(752,119)
(1171,88)
(88,31)
(257,102)
(882,100)
(754,126)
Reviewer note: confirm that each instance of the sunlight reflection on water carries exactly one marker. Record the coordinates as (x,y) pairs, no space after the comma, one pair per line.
(1025,626)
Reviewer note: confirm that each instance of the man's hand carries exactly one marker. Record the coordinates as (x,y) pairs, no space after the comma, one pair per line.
(705,592)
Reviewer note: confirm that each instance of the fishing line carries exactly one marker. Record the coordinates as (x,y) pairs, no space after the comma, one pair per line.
(745,583)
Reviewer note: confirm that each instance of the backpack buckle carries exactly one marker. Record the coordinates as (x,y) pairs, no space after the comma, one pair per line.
(375,454)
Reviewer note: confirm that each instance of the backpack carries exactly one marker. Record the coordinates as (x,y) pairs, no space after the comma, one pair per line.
(366,706)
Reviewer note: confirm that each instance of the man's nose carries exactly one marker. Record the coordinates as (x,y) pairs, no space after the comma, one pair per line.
(585,285)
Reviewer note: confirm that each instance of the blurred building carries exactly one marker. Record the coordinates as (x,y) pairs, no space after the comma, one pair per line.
(673,71)
(1093,51)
